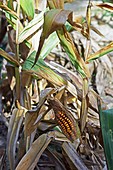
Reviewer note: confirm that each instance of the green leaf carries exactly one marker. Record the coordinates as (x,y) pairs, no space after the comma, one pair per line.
(100,53)
(10,4)
(31,158)
(52,22)
(42,70)
(106,119)
(49,44)
(32,27)
(11,20)
(28,8)
(11,17)
(9,58)
(9,11)
(75,58)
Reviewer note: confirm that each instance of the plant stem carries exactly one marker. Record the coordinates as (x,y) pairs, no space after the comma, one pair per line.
(17,72)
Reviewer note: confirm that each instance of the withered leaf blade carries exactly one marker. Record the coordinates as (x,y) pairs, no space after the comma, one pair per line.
(58,163)
(31,158)
(9,58)
(81,28)
(40,5)
(13,133)
(65,120)
(88,17)
(84,105)
(33,115)
(106,6)
(46,125)
(59,4)
(96,31)
(73,156)
(29,127)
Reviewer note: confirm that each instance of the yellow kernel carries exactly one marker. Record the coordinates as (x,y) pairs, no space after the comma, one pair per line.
(59,121)
(72,126)
(68,129)
(63,120)
(65,123)
(60,118)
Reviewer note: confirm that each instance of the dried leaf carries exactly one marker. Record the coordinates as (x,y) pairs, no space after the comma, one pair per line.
(58,163)
(106,6)
(58,4)
(30,159)
(80,28)
(13,133)
(40,5)
(88,18)
(73,156)
(46,125)
(8,57)
(32,118)
(84,105)
(96,31)
(74,77)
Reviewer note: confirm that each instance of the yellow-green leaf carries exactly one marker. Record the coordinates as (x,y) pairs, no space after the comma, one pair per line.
(9,11)
(100,53)
(52,22)
(42,70)
(28,8)
(32,27)
(75,58)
